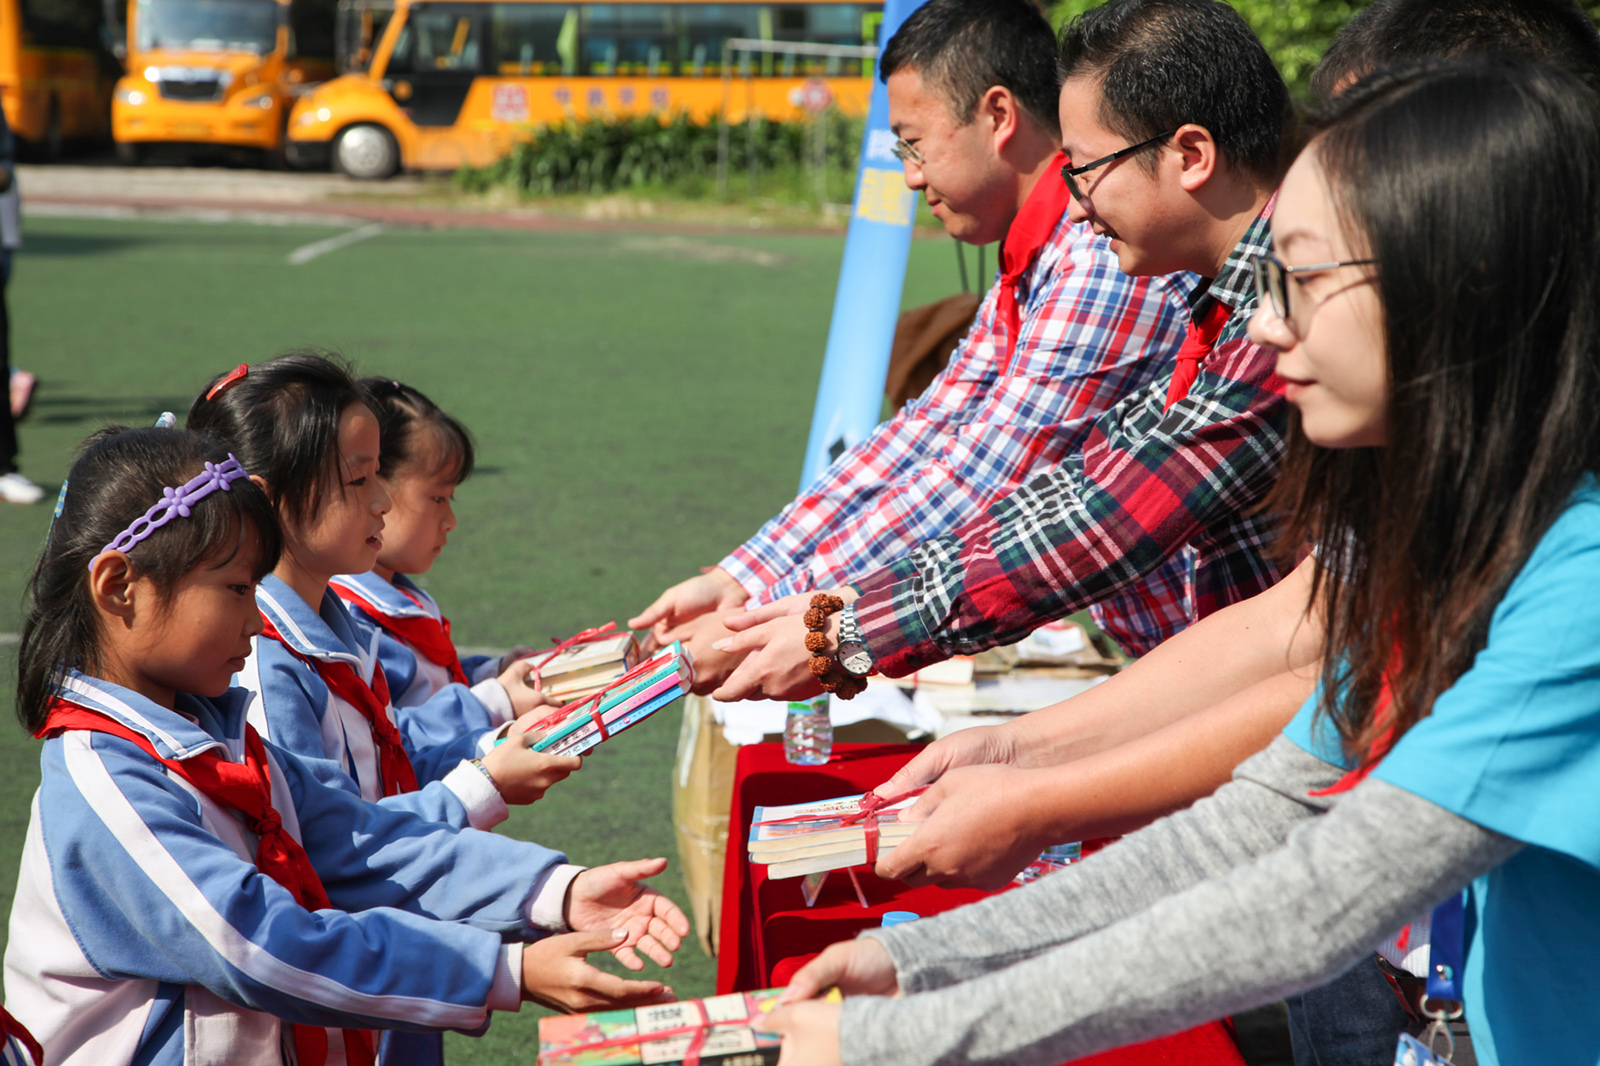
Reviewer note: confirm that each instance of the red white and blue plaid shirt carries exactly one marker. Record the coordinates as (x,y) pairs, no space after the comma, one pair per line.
(1089,336)
(1153,520)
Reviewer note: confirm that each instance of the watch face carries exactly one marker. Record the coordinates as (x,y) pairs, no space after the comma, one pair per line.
(854,658)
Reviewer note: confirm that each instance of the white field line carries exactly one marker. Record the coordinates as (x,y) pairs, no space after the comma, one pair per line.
(308,252)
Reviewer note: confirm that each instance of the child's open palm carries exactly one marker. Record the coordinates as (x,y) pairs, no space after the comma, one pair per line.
(612,897)
(556,973)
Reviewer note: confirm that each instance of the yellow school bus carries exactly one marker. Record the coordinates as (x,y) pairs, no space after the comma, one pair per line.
(455,82)
(55,75)
(217,72)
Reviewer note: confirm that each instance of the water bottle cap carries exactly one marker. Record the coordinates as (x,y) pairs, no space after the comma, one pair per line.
(899,918)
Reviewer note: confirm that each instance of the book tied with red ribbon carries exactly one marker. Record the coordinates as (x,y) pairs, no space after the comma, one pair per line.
(700,1032)
(576,727)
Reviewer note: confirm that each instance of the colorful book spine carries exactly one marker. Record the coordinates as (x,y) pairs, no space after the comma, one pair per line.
(665,668)
(588,735)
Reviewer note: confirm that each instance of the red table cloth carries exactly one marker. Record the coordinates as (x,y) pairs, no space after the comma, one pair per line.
(767,931)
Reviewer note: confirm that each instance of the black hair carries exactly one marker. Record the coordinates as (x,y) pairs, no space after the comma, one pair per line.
(282,420)
(1167,63)
(963,48)
(401,409)
(1557,32)
(118,477)
(1474,184)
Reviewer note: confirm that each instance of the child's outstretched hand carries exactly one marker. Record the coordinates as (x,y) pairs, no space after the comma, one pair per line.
(611,897)
(523,775)
(524,697)
(556,973)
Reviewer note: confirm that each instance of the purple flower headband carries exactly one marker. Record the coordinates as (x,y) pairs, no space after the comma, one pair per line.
(176,503)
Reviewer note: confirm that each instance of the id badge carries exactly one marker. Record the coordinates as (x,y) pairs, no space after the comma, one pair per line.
(1413,1052)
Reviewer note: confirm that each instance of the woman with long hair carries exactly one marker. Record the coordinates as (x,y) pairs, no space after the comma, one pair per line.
(1433,295)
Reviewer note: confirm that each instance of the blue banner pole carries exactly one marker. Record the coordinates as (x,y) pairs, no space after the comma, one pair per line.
(871,280)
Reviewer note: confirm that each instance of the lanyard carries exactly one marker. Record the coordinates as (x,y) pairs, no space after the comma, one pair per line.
(1446,953)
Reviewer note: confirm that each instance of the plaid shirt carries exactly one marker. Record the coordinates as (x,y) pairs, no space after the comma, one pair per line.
(1154,513)
(1089,336)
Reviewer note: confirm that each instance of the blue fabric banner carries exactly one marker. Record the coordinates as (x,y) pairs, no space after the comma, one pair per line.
(871,278)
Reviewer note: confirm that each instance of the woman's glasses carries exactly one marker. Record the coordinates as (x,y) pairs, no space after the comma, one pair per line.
(1273,283)
(1070,174)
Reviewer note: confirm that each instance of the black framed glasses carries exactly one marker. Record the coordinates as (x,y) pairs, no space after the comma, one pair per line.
(1273,278)
(1070,174)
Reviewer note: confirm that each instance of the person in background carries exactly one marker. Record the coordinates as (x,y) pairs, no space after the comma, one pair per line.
(1061,336)
(14,487)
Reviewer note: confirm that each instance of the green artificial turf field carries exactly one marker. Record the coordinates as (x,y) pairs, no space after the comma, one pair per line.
(640,402)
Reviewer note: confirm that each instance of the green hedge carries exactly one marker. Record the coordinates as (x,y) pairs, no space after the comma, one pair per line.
(601,155)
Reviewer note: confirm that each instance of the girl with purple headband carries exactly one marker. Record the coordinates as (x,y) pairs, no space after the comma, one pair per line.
(188,891)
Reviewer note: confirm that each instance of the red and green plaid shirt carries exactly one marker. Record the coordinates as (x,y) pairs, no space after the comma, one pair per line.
(1153,518)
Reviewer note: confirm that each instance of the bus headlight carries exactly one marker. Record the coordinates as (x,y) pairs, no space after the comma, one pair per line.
(263,101)
(309,116)
(132,97)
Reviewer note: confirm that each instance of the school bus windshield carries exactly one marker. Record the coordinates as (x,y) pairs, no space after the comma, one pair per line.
(208,25)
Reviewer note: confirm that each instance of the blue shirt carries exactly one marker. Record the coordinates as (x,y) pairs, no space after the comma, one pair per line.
(1514,746)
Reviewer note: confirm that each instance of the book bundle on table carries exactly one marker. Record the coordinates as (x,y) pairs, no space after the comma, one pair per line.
(632,696)
(805,838)
(713,1031)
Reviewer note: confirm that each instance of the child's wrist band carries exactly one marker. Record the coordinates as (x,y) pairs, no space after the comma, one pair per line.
(484,770)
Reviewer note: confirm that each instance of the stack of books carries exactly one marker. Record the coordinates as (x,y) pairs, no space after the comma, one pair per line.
(583,669)
(717,1030)
(631,698)
(806,838)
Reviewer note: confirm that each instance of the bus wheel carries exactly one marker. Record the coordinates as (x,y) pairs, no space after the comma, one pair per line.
(130,154)
(366,152)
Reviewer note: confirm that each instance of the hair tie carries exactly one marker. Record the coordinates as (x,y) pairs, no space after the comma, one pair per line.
(229,380)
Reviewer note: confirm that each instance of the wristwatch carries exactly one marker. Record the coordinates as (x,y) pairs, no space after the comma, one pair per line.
(853,654)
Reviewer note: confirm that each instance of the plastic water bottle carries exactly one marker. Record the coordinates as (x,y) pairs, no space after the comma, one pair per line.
(808,732)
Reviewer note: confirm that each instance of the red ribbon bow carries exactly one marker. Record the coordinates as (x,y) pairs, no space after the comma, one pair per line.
(867,808)
(246,788)
(429,635)
(587,636)
(372,701)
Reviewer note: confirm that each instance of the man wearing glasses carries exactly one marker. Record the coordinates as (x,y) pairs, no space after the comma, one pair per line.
(1061,337)
(1173,115)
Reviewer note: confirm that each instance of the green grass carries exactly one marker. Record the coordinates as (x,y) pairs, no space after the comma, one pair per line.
(640,402)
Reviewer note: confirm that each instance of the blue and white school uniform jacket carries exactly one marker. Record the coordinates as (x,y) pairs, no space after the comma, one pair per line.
(294,709)
(142,931)
(414,679)
(12,1053)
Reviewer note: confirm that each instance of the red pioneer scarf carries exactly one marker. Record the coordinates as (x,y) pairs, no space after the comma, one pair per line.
(1030,231)
(1198,340)
(247,788)
(9,1026)
(394,765)
(428,635)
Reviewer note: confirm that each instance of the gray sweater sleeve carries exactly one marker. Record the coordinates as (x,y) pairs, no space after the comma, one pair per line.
(1243,820)
(1288,920)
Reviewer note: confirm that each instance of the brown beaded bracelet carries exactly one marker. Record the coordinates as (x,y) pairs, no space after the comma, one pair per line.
(824,665)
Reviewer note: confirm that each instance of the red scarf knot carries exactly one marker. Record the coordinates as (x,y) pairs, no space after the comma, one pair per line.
(1198,340)
(428,635)
(395,771)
